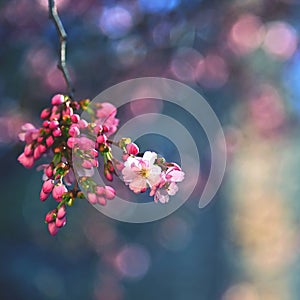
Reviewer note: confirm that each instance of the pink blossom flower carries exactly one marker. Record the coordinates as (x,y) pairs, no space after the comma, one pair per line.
(26,161)
(139,173)
(58,192)
(162,194)
(174,174)
(29,134)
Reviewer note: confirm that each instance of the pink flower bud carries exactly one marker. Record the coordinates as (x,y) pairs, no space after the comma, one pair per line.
(57,99)
(110,193)
(54,116)
(42,148)
(49,141)
(109,176)
(46,124)
(83,124)
(36,153)
(40,139)
(50,216)
(100,190)
(101,139)
(53,124)
(92,198)
(49,171)
(74,131)
(101,200)
(28,150)
(71,142)
(132,149)
(105,128)
(61,212)
(43,195)
(26,161)
(57,132)
(48,186)
(75,118)
(60,222)
(94,153)
(58,192)
(68,111)
(87,164)
(52,228)
(45,113)
(97,129)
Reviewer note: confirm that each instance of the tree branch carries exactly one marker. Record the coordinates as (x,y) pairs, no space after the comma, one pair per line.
(53,15)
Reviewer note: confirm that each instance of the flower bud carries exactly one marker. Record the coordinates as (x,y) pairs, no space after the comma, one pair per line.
(108,176)
(49,141)
(110,193)
(48,186)
(71,142)
(60,222)
(57,132)
(49,171)
(46,124)
(75,118)
(74,131)
(52,228)
(50,216)
(58,192)
(53,124)
(28,150)
(101,200)
(43,195)
(57,99)
(45,113)
(101,139)
(132,149)
(92,198)
(26,161)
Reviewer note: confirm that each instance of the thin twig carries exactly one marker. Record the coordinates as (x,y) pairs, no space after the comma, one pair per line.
(63,43)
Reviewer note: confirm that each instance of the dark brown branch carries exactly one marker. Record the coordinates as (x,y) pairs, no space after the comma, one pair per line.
(53,15)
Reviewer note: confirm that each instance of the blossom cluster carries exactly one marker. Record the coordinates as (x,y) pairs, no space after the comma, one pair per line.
(149,171)
(64,134)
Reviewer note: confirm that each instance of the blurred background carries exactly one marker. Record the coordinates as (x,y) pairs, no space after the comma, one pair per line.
(243,56)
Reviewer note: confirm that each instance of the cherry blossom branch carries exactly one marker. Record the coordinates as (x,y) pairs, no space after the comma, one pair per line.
(53,15)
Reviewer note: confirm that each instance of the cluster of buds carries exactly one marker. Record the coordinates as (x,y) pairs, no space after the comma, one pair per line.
(64,134)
